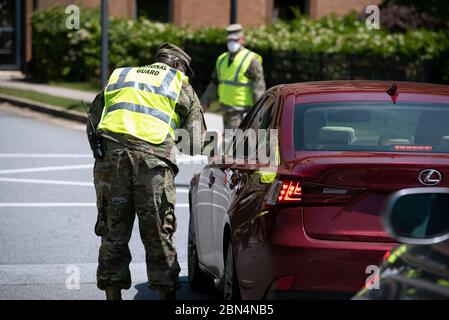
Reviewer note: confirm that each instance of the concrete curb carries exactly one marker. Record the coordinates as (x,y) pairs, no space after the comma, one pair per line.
(45,108)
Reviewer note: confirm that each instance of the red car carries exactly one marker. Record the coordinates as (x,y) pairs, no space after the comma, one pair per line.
(312,228)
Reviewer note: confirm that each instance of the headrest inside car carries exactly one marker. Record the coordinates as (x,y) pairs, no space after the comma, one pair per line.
(395,142)
(336,135)
(444,142)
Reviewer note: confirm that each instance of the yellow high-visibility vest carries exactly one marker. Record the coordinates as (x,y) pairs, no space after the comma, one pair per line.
(234,88)
(141,102)
(267,177)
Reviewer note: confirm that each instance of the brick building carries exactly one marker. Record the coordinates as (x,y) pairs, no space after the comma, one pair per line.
(15,15)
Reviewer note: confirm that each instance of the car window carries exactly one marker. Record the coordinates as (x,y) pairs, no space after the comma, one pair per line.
(261,119)
(372,126)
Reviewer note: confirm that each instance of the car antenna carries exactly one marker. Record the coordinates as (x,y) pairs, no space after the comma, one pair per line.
(393,92)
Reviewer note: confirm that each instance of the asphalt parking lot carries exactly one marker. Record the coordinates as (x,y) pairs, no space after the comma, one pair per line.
(47,212)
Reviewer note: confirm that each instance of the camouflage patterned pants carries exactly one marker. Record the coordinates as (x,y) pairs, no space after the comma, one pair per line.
(129,183)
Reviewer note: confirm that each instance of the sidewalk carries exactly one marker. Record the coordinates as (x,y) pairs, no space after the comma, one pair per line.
(50,90)
(214,122)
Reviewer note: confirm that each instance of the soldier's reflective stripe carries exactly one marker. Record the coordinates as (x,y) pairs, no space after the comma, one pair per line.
(220,62)
(237,73)
(162,90)
(234,83)
(142,109)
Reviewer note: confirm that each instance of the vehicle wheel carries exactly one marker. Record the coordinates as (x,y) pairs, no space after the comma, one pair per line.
(231,288)
(198,281)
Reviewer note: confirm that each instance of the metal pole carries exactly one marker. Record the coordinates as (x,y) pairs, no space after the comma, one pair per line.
(104,41)
(18,29)
(233,11)
(170,11)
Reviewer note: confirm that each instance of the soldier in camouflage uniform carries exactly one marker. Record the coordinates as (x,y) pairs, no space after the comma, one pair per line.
(137,177)
(237,70)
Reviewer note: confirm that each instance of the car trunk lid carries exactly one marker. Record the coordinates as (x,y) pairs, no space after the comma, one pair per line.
(344,192)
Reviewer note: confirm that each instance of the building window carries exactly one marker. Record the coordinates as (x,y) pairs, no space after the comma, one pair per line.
(289,9)
(156,10)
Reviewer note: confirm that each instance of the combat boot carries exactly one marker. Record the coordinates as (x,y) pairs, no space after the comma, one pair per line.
(113,293)
(168,295)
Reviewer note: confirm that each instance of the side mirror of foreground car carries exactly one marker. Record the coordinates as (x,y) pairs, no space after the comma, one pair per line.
(418,215)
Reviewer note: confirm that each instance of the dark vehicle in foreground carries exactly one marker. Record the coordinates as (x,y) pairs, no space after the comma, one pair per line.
(418,217)
(313,227)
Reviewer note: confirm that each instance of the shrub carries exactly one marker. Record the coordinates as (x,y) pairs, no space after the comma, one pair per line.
(75,54)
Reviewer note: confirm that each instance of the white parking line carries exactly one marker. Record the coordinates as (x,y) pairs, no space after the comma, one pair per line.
(180,159)
(54,182)
(46,169)
(67,183)
(45,204)
(45,155)
(59,204)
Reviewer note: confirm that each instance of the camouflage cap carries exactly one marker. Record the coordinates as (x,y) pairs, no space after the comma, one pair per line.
(172,50)
(235,31)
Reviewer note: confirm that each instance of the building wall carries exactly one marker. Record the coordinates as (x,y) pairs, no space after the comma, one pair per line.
(216,13)
(254,12)
(320,8)
(117,8)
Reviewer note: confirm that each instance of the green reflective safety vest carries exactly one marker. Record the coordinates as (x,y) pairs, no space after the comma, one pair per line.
(141,102)
(234,88)
(267,177)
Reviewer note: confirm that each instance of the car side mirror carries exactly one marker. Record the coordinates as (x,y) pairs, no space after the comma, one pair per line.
(418,215)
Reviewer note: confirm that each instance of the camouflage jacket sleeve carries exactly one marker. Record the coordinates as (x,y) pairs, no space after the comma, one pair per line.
(95,111)
(255,73)
(193,127)
(210,94)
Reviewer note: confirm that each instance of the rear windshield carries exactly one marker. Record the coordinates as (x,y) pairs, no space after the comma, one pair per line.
(372,126)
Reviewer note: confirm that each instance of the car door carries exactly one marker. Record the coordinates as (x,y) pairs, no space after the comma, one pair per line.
(204,229)
(230,177)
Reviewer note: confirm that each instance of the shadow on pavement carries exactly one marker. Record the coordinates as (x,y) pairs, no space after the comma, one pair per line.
(144,292)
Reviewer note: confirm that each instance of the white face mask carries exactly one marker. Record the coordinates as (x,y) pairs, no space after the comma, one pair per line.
(233,46)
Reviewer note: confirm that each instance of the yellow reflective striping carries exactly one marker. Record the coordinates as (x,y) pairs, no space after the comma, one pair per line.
(267,177)
(443,282)
(397,253)
(233,87)
(141,102)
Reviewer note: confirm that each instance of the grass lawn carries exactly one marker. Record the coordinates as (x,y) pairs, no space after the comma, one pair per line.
(43,98)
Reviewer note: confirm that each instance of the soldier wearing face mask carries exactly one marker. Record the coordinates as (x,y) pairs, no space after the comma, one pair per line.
(237,79)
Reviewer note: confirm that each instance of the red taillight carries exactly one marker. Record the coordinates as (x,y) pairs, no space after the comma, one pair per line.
(413,148)
(284,192)
(290,191)
(386,255)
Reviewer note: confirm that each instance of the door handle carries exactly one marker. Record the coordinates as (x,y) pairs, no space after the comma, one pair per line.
(211,178)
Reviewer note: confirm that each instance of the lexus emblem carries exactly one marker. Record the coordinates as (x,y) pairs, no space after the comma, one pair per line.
(430,177)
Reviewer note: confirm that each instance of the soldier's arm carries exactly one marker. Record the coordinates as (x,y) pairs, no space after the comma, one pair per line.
(95,111)
(210,94)
(193,125)
(255,74)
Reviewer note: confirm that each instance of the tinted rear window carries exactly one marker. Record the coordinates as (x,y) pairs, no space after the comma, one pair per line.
(371,126)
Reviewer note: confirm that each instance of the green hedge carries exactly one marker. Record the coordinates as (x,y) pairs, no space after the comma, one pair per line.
(60,53)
